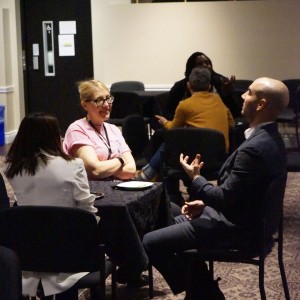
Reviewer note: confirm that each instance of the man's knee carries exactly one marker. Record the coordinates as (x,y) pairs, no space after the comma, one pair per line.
(147,241)
(152,243)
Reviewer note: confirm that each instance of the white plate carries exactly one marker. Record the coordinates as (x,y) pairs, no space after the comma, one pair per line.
(134,185)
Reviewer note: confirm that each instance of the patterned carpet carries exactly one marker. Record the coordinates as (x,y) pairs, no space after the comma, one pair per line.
(240,281)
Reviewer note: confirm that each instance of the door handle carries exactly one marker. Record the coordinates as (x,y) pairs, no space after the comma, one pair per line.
(48,44)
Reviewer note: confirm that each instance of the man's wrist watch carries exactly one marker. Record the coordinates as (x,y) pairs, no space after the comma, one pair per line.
(121,161)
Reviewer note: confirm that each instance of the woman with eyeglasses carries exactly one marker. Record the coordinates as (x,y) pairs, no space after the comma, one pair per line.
(99,144)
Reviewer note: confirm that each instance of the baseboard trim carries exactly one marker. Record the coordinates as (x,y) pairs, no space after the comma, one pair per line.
(10,136)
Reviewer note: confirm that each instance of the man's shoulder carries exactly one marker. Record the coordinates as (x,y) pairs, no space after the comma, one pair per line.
(266,131)
(265,138)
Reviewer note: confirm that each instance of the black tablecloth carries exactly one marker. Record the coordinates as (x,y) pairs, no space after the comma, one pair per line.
(125,217)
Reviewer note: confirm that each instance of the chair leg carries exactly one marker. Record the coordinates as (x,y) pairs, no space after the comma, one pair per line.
(284,281)
(262,278)
(211,269)
(282,271)
(151,288)
(114,283)
(297,134)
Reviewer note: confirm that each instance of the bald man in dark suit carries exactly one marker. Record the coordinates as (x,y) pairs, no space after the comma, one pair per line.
(218,214)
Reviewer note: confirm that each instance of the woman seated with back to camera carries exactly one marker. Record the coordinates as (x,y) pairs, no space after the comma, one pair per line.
(99,144)
(41,173)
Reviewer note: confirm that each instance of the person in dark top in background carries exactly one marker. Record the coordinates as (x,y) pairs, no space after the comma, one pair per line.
(220,84)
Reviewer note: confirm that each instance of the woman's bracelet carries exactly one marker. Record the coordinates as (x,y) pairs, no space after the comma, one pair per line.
(121,161)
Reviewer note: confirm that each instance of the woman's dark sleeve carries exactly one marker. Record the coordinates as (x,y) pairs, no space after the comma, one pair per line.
(176,94)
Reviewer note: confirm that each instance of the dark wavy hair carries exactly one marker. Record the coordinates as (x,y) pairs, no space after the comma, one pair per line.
(38,135)
(191,63)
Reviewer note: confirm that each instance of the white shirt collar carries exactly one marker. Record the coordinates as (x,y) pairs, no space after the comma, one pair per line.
(249,131)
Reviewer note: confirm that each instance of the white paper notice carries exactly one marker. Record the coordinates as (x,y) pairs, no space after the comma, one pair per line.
(35,50)
(35,62)
(67,27)
(66,45)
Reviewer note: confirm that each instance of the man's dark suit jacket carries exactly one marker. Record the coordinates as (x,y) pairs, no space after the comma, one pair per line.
(244,178)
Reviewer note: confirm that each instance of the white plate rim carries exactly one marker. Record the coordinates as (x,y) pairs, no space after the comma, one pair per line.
(135,184)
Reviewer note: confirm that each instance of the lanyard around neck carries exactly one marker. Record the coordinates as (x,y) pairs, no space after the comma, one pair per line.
(105,141)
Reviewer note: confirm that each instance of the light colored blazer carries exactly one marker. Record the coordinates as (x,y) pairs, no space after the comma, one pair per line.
(60,183)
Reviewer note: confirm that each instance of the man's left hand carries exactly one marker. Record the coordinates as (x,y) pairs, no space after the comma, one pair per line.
(193,169)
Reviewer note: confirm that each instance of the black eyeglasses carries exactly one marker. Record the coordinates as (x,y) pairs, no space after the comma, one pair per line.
(99,102)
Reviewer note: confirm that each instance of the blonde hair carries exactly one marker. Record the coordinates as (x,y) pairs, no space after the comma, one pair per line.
(87,88)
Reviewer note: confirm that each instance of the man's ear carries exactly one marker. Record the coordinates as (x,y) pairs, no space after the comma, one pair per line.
(261,104)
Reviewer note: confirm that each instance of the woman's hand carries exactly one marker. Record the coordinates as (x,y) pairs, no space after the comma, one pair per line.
(227,84)
(193,209)
(193,169)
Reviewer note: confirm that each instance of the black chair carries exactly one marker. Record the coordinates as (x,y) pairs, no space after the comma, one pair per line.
(10,275)
(292,85)
(291,114)
(57,239)
(136,136)
(242,84)
(293,161)
(240,87)
(161,103)
(127,86)
(125,104)
(210,143)
(4,199)
(256,251)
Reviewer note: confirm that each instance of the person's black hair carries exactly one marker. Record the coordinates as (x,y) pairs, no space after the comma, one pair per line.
(38,135)
(191,63)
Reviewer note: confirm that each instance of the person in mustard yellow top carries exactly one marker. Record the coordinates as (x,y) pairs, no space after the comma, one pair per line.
(203,109)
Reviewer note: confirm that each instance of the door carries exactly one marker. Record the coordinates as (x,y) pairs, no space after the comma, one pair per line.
(57,47)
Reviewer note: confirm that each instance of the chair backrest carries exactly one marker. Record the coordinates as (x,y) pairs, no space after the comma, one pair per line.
(292,85)
(297,102)
(135,133)
(10,275)
(161,104)
(125,104)
(272,210)
(271,220)
(52,239)
(4,199)
(241,86)
(127,86)
(209,143)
